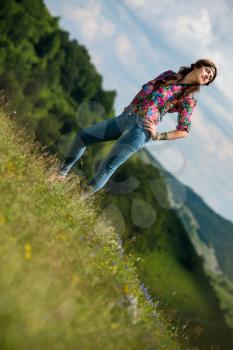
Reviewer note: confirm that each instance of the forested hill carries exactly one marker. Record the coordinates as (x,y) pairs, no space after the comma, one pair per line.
(47,76)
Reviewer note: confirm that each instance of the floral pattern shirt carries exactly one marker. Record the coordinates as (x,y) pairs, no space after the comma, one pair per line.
(151,102)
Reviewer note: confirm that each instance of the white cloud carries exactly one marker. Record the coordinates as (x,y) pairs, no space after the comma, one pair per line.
(189,30)
(136,3)
(218,109)
(212,140)
(151,7)
(90,20)
(124,49)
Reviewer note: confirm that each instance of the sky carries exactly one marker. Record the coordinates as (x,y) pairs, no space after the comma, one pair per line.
(133,41)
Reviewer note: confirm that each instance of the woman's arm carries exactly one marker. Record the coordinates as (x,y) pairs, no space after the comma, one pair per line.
(170,135)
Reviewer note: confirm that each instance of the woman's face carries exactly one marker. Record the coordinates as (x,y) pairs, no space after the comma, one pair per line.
(203,74)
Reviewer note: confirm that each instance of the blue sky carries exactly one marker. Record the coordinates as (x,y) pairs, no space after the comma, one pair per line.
(132,41)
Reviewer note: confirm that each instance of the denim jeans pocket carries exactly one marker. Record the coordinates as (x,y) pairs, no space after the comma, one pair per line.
(142,137)
(147,137)
(123,121)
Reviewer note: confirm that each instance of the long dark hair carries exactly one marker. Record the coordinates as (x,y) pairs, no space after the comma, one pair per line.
(183,71)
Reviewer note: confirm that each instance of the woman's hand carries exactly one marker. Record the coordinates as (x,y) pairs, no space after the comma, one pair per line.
(151,127)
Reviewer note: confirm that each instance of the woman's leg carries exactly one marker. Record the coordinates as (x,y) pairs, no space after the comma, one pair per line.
(131,141)
(106,130)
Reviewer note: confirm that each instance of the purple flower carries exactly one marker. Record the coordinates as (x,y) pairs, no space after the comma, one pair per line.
(147,295)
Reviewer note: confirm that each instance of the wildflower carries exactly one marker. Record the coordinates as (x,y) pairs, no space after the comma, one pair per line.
(125,289)
(62,237)
(10,166)
(145,292)
(75,279)
(2,219)
(114,325)
(27,251)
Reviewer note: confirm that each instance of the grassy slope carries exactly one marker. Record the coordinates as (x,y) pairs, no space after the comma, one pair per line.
(65,280)
(224,289)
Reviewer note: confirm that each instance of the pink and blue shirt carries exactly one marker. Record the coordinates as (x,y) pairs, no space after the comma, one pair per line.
(152,102)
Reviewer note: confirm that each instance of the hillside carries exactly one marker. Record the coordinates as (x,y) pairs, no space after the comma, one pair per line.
(65,278)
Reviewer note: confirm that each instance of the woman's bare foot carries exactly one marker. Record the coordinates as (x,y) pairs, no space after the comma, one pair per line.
(87,192)
(61,177)
(55,177)
(86,195)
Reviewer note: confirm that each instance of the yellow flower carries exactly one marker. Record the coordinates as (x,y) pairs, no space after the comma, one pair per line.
(114,325)
(10,166)
(126,289)
(27,251)
(2,219)
(62,237)
(75,279)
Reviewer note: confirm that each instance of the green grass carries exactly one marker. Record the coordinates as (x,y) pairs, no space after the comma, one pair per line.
(179,290)
(224,289)
(66,281)
(185,299)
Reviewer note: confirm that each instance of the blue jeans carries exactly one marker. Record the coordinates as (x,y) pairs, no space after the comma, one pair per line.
(131,136)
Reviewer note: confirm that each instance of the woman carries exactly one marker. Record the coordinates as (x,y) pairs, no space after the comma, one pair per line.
(137,125)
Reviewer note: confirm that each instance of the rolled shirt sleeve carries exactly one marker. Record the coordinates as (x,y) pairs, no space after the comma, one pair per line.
(185,110)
